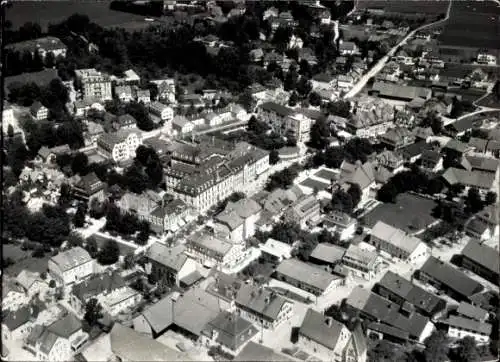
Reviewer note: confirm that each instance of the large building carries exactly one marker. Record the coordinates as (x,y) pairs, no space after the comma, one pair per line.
(119,146)
(482,260)
(71,266)
(42,46)
(95,85)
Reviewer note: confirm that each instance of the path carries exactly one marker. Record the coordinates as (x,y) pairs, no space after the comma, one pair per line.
(447,121)
(381,63)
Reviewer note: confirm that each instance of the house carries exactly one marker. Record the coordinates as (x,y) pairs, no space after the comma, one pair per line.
(180,125)
(262,306)
(42,46)
(378,331)
(95,85)
(7,116)
(305,211)
(71,266)
(125,121)
(59,341)
(124,93)
(358,173)
(276,250)
(371,117)
(481,259)
(109,289)
(390,160)
(17,324)
(412,152)
(484,225)
(341,223)
(398,244)
(323,81)
(143,96)
(400,92)
(361,263)
(431,160)
(483,181)
(225,288)
(298,126)
(170,263)
(307,277)
(88,187)
(164,112)
(329,339)
(345,82)
(295,42)
(256,352)
(119,146)
(480,163)
(443,276)
(129,345)
(31,283)
(130,77)
(462,125)
(166,90)
(327,254)
(397,138)
(400,291)
(228,330)
(39,111)
(373,307)
(13,296)
(325,17)
(274,114)
(460,327)
(348,48)
(238,219)
(49,155)
(456,147)
(478,144)
(472,312)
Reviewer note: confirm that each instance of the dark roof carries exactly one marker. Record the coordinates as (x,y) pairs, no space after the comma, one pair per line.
(15,319)
(415,149)
(41,78)
(98,284)
(464,124)
(472,312)
(483,255)
(257,352)
(306,273)
(451,277)
(399,91)
(276,108)
(66,326)
(321,329)
(260,301)
(388,330)
(232,330)
(90,183)
(173,258)
(468,324)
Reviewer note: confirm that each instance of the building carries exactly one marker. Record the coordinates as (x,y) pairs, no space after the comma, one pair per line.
(60,341)
(400,92)
(348,48)
(256,352)
(431,160)
(274,114)
(39,111)
(276,250)
(262,306)
(31,283)
(95,85)
(443,276)
(119,146)
(299,126)
(71,266)
(124,93)
(327,254)
(305,211)
(398,244)
(125,121)
(180,125)
(170,263)
(330,340)
(13,295)
(161,110)
(460,327)
(341,223)
(88,187)
(483,181)
(482,260)
(17,324)
(362,174)
(42,46)
(472,312)
(237,221)
(7,116)
(143,96)
(400,291)
(361,263)
(373,307)
(307,277)
(397,138)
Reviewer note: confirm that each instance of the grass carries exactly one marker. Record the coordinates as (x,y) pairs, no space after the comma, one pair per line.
(23,260)
(404,7)
(325,174)
(407,210)
(45,12)
(309,182)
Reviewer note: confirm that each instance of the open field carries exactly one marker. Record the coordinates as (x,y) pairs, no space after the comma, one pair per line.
(45,12)
(405,212)
(398,6)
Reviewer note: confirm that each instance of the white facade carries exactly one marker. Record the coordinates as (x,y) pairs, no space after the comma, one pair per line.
(120,151)
(95,85)
(315,348)
(459,333)
(161,110)
(300,126)
(13,300)
(71,266)
(7,117)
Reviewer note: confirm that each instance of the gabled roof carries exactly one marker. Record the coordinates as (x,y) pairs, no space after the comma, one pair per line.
(468,324)
(323,330)
(483,163)
(173,258)
(478,143)
(400,91)
(482,254)
(478,179)
(17,318)
(358,173)
(27,278)
(395,237)
(98,284)
(71,258)
(65,327)
(306,273)
(328,253)
(254,352)
(232,330)
(260,301)
(472,312)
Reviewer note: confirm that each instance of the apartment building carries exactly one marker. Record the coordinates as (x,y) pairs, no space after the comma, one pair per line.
(170,263)
(360,262)
(95,85)
(119,146)
(237,221)
(305,211)
(164,112)
(211,251)
(71,266)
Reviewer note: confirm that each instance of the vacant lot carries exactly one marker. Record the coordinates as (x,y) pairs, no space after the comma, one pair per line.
(45,12)
(410,212)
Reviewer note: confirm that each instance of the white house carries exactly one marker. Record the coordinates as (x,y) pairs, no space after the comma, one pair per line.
(16,325)
(39,111)
(180,124)
(295,42)
(13,296)
(71,266)
(348,48)
(460,327)
(119,146)
(124,93)
(161,110)
(31,283)
(342,223)
(276,249)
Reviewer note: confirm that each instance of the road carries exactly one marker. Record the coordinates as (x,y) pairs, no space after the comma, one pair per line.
(381,63)
(447,121)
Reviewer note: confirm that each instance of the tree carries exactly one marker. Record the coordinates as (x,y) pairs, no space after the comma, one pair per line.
(10,131)
(52,283)
(92,247)
(256,126)
(129,261)
(490,198)
(319,134)
(79,218)
(342,201)
(467,350)
(294,98)
(355,192)
(143,236)
(473,200)
(436,347)
(274,157)
(339,108)
(109,253)
(93,311)
(314,99)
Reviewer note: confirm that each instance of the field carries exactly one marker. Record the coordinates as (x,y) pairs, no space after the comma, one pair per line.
(405,7)
(45,12)
(404,214)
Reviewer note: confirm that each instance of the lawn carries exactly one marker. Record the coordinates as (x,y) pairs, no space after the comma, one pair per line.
(309,182)
(404,7)
(23,260)
(326,174)
(45,12)
(408,211)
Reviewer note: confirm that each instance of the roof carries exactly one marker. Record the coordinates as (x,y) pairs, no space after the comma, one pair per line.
(131,345)
(328,253)
(276,108)
(36,106)
(211,243)
(482,254)
(366,257)
(26,279)
(478,143)
(98,284)
(307,274)
(65,327)
(257,352)
(395,237)
(338,218)
(400,91)
(232,330)
(324,330)
(472,312)
(410,292)
(468,324)
(173,258)
(358,173)
(388,330)
(484,180)
(71,258)
(15,319)
(483,163)
(276,248)
(431,156)
(451,277)
(259,301)
(415,149)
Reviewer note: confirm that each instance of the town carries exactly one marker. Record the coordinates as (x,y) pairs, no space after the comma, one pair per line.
(251,181)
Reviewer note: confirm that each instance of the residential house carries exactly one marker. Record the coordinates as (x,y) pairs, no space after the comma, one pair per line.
(305,211)
(462,125)
(71,266)
(370,118)
(119,146)
(325,17)
(130,77)
(373,307)
(262,306)
(88,187)
(400,291)
(484,225)
(170,263)
(31,283)
(359,173)
(95,85)
(225,287)
(276,250)
(472,312)
(330,340)
(348,48)
(274,114)
(323,81)
(460,327)
(161,110)
(49,155)
(166,90)
(431,160)
(93,132)
(256,352)
(307,277)
(391,160)
(124,93)
(39,111)
(361,263)
(298,126)
(341,223)
(481,164)
(327,254)
(228,330)
(400,92)
(443,276)
(180,125)
(481,259)
(478,144)
(60,341)
(143,96)
(397,138)
(237,221)
(125,121)
(398,244)
(42,46)
(412,152)
(483,181)
(345,82)
(17,324)
(13,295)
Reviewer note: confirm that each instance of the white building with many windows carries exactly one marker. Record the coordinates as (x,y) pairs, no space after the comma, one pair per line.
(71,266)
(119,146)
(95,85)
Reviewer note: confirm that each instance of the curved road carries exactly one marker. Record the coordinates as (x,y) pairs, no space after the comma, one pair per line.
(448,121)
(381,63)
